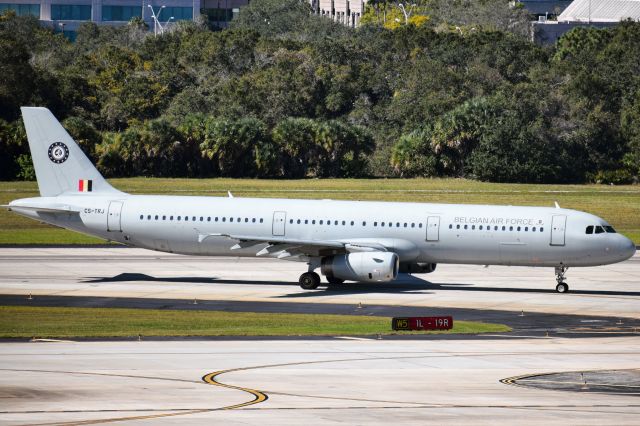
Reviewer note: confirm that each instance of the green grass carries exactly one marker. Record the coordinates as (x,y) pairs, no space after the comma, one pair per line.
(620,205)
(47,322)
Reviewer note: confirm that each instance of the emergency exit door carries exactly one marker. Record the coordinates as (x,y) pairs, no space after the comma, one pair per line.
(558,226)
(114,221)
(279,219)
(433,228)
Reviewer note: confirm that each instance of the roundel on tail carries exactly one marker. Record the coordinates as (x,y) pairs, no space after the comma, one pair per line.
(58,152)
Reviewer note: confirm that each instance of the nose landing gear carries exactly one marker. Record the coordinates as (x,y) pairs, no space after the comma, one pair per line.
(562,287)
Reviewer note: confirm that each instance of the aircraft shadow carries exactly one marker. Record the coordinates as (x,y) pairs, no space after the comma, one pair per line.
(406,284)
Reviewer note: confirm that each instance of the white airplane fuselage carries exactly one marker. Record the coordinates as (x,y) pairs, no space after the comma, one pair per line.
(417,232)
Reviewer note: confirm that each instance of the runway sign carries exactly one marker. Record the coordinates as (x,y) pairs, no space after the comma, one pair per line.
(422,323)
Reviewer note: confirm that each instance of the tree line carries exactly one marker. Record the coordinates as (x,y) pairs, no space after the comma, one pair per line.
(445,89)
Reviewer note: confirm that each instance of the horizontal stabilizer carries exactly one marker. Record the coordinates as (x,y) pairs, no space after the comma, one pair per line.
(61,209)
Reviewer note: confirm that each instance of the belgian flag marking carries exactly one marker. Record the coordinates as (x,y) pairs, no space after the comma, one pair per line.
(85,185)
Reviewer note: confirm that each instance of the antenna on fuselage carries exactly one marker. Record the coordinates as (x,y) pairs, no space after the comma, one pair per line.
(230,194)
(557,205)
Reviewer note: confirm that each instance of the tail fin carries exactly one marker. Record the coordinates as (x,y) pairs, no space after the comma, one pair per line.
(60,164)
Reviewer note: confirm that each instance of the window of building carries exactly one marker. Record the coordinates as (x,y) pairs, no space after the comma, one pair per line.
(71,12)
(177,13)
(120,13)
(21,9)
(218,14)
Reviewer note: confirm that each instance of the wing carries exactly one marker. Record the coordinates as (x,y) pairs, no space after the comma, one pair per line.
(293,249)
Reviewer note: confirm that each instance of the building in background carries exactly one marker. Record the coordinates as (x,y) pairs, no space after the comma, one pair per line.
(586,13)
(544,9)
(347,12)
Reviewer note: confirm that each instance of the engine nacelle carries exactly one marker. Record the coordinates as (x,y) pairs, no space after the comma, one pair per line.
(366,266)
(417,268)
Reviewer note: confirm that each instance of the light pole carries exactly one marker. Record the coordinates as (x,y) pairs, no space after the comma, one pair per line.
(156,22)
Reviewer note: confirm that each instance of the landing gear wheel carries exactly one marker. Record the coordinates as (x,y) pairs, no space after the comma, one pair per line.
(334,280)
(309,280)
(562,288)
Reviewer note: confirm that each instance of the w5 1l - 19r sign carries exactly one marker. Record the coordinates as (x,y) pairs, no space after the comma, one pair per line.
(422,323)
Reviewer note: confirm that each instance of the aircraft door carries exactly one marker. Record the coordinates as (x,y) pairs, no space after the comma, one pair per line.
(279,220)
(433,228)
(114,222)
(558,226)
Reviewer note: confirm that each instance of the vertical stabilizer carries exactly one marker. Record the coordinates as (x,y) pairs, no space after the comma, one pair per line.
(60,165)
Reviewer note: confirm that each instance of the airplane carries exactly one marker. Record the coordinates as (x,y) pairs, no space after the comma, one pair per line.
(346,240)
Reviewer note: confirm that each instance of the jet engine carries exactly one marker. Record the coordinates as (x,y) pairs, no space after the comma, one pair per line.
(417,268)
(365,266)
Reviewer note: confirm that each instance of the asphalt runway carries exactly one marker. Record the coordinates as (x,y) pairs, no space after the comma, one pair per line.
(525,377)
(609,291)
(278,382)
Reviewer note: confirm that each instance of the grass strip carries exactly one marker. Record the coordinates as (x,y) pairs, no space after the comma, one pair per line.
(63,322)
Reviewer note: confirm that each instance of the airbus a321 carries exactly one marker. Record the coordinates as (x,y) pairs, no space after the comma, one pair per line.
(345,240)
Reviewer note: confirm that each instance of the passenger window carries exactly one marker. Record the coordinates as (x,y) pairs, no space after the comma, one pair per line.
(599,229)
(397,224)
(186,218)
(511,228)
(413,225)
(230,219)
(473,227)
(457,226)
(298,221)
(306,221)
(170,217)
(480,227)
(148,217)
(261,220)
(164,217)
(216,218)
(526,229)
(352,223)
(533,229)
(253,220)
(375,223)
(291,221)
(179,217)
(381,223)
(246,220)
(335,223)
(193,218)
(466,226)
(541,229)
(504,228)
(518,229)
(208,218)
(419,225)
(321,222)
(313,222)
(364,223)
(344,223)
(141,216)
(201,219)
(224,219)
(495,228)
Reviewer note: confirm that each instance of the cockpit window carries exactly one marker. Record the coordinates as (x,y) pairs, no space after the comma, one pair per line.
(599,230)
(610,229)
(589,229)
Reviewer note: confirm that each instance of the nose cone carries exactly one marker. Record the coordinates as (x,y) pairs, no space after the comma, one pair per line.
(626,248)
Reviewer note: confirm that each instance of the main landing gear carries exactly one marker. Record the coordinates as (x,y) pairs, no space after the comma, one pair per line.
(309,280)
(562,287)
